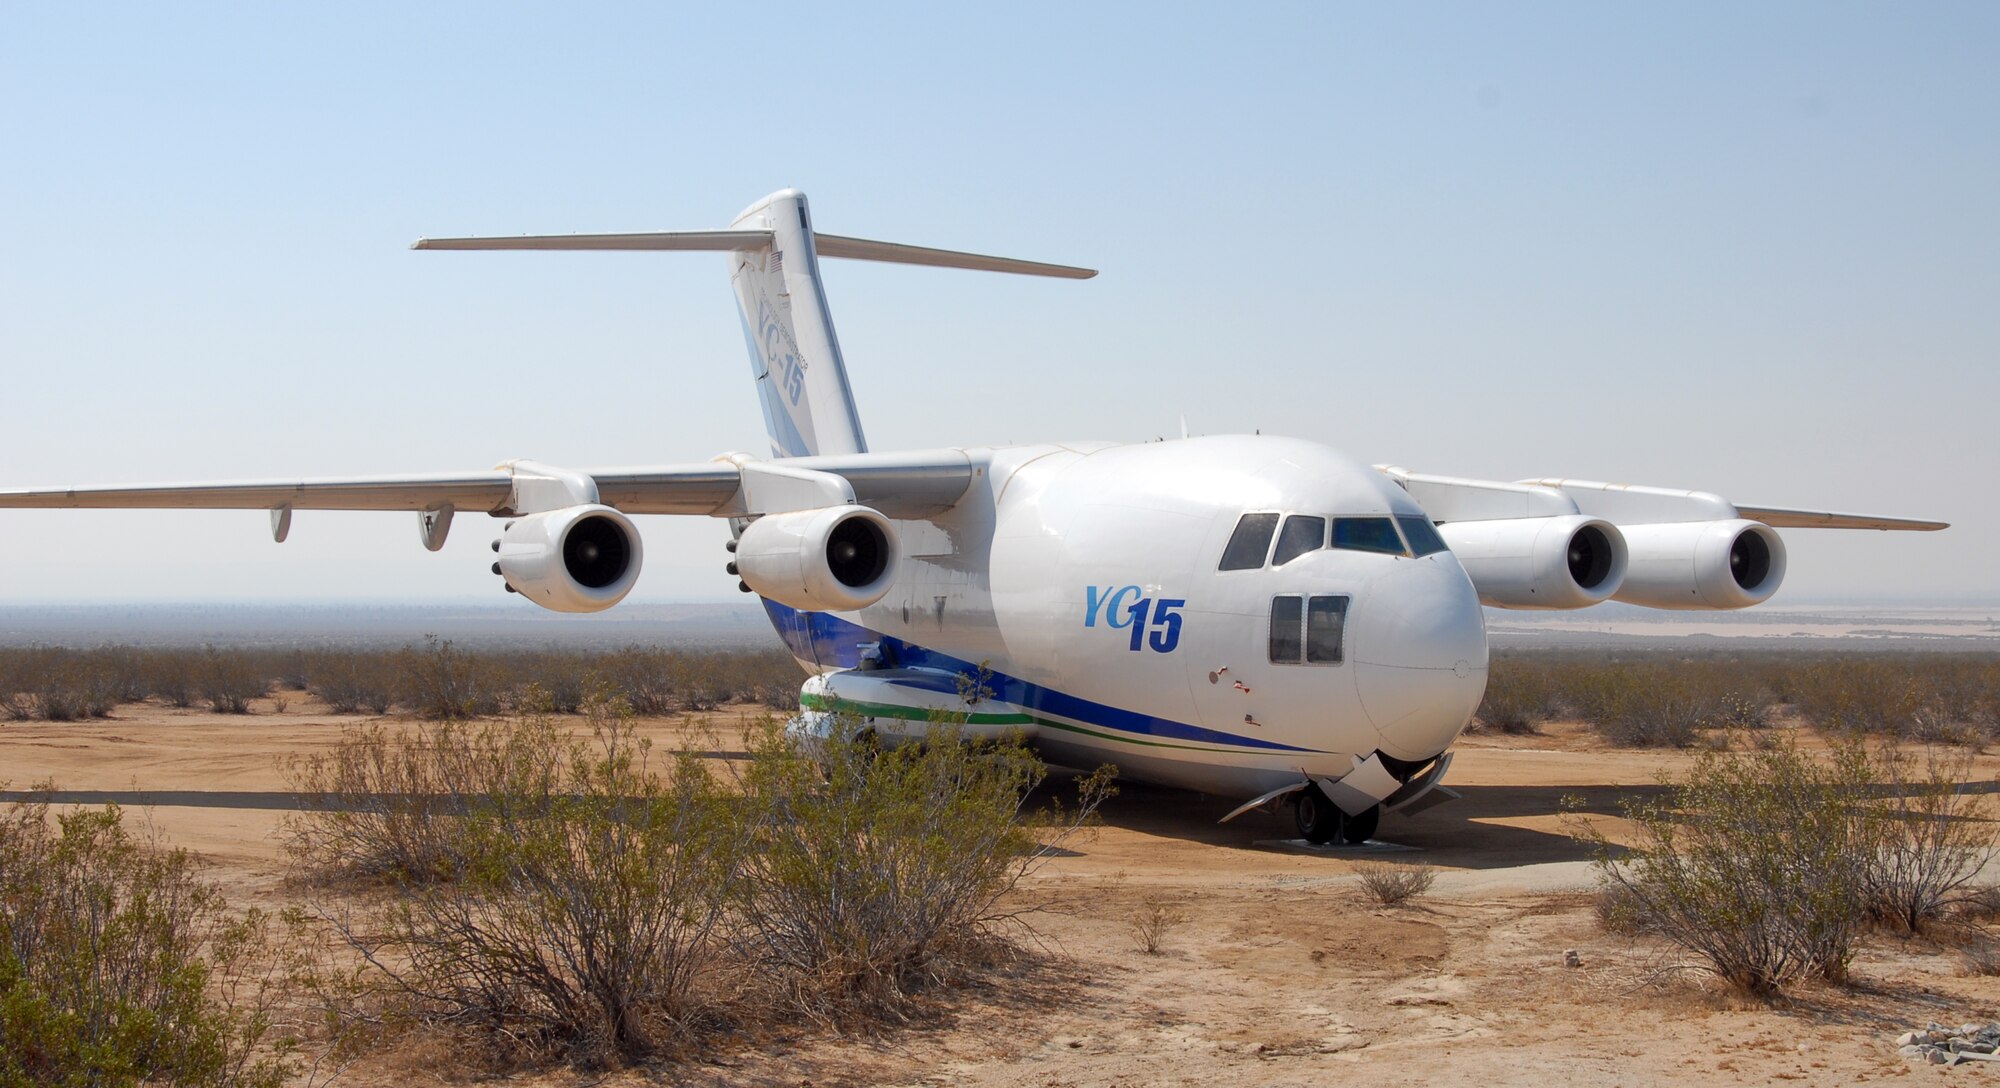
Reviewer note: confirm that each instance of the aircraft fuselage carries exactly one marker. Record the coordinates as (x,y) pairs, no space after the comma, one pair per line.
(1086,579)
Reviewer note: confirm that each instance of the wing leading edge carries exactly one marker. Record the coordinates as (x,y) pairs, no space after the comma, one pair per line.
(898,484)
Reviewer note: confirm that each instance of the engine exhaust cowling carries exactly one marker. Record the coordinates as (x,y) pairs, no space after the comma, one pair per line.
(577,559)
(1569,561)
(1703,564)
(834,559)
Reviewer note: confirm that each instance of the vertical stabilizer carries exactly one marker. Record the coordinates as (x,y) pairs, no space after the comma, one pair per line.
(808,407)
(774,266)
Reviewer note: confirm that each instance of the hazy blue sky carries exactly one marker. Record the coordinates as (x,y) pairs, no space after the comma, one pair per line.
(1743,248)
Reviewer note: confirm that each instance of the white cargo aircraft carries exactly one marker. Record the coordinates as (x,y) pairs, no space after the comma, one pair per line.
(1255,617)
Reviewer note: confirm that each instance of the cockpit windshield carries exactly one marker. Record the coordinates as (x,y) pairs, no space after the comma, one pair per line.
(1367,535)
(1302,533)
(1249,543)
(1422,535)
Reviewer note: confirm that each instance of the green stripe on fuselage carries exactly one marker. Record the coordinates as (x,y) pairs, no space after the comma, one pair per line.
(923,714)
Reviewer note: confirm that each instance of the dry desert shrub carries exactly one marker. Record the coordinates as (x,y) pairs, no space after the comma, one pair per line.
(1652,704)
(1977,904)
(442,682)
(228,681)
(1927,837)
(174,676)
(382,803)
(1620,911)
(573,899)
(563,904)
(1155,918)
(352,682)
(438,679)
(1392,884)
(1520,694)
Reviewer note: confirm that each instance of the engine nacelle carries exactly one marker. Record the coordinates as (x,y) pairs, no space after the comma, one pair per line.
(1569,561)
(1703,564)
(577,559)
(834,559)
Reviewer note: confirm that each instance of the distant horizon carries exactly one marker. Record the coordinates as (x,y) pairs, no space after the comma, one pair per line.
(751,602)
(1829,625)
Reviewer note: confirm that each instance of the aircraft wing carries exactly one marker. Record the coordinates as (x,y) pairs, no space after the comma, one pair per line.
(1455,499)
(470,490)
(898,484)
(1779,517)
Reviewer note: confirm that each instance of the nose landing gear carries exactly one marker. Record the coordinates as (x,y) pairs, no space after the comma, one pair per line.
(1320,821)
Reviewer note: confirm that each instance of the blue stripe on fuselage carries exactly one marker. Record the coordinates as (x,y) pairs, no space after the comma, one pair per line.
(833,642)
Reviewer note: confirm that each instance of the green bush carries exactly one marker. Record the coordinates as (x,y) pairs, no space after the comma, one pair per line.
(1756,862)
(112,954)
(873,872)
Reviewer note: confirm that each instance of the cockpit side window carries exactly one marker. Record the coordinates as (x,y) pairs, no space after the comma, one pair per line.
(1326,626)
(1249,543)
(1308,630)
(1422,535)
(1286,648)
(1302,533)
(1367,535)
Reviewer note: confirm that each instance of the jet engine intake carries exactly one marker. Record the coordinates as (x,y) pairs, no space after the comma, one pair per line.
(1568,561)
(1703,564)
(577,559)
(834,559)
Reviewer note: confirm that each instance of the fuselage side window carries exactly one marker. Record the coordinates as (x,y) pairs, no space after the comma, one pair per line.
(1302,533)
(1285,627)
(1326,624)
(1249,543)
(1422,535)
(1367,535)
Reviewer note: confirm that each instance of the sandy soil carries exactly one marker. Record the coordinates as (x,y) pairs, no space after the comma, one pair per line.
(1282,973)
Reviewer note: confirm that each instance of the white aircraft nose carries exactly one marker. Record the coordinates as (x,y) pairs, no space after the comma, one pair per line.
(1419,650)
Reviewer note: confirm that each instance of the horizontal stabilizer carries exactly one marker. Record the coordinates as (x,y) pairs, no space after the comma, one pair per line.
(827,245)
(696,241)
(861,249)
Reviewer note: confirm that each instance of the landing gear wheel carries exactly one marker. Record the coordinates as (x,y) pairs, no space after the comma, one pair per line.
(1318,818)
(1359,829)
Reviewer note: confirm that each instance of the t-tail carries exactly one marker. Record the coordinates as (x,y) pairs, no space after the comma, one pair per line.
(795,357)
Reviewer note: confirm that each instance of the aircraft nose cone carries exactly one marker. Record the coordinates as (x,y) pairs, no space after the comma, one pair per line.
(1419,651)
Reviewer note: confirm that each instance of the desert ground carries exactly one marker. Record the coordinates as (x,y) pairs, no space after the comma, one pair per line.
(1282,973)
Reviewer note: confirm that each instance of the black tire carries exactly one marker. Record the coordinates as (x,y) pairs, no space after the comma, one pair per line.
(1317,817)
(1359,829)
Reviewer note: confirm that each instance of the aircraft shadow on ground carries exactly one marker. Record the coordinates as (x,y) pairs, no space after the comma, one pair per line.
(1471,833)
